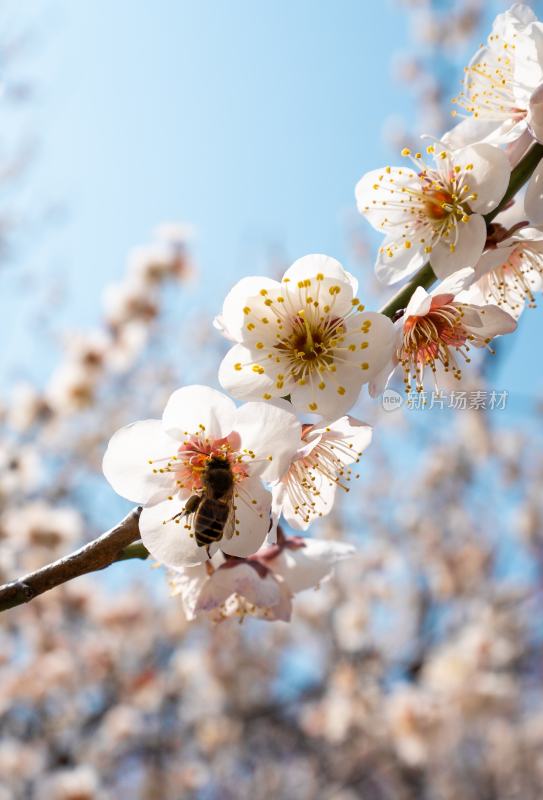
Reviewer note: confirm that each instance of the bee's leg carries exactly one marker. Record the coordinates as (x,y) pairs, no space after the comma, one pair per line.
(190,507)
(207,551)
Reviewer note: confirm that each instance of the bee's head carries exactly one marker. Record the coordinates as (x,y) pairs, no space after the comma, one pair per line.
(217,462)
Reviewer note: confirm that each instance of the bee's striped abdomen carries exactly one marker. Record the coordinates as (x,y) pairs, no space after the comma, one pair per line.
(210,520)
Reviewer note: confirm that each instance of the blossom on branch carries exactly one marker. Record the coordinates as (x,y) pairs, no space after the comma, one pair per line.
(502,87)
(307,336)
(260,586)
(433,212)
(510,271)
(437,329)
(307,490)
(161,464)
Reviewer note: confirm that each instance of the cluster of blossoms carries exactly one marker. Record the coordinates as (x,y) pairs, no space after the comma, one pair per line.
(215,479)
(410,674)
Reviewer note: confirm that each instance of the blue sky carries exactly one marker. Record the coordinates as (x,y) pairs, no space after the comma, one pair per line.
(251,120)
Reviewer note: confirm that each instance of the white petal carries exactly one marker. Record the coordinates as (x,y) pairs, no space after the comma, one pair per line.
(312,265)
(300,513)
(232,320)
(533,201)
(188,583)
(375,345)
(340,393)
(489,177)
(307,566)
(237,376)
(168,541)
(419,303)
(350,432)
(377,189)
(244,580)
(396,262)
(456,282)
(380,382)
(493,321)
(492,259)
(126,461)
(535,124)
(220,325)
(195,409)
(253,507)
(468,249)
(470,131)
(271,433)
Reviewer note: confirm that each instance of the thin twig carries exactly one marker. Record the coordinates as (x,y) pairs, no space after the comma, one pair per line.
(93,556)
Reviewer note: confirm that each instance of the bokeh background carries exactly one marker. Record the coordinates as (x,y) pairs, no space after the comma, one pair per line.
(223,139)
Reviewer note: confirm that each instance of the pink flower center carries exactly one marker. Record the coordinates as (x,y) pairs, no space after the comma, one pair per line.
(196,452)
(431,338)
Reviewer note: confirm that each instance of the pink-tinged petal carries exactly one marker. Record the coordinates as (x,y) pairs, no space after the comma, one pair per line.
(246,375)
(419,303)
(232,320)
(273,434)
(395,261)
(196,409)
(318,264)
(468,248)
(187,582)
(306,567)
(489,177)
(252,519)
(283,610)
(378,195)
(126,461)
(536,114)
(263,592)
(533,200)
(171,543)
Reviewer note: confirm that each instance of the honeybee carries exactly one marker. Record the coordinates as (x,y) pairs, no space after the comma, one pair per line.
(213,509)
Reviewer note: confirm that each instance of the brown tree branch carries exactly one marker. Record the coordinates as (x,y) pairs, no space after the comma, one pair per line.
(93,556)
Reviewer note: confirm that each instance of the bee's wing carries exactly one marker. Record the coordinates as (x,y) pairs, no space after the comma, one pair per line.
(230,524)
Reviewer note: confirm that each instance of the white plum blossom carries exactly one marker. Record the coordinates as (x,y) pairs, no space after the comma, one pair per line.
(307,336)
(438,328)
(503,85)
(160,463)
(260,586)
(510,271)
(304,563)
(235,588)
(433,212)
(321,464)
